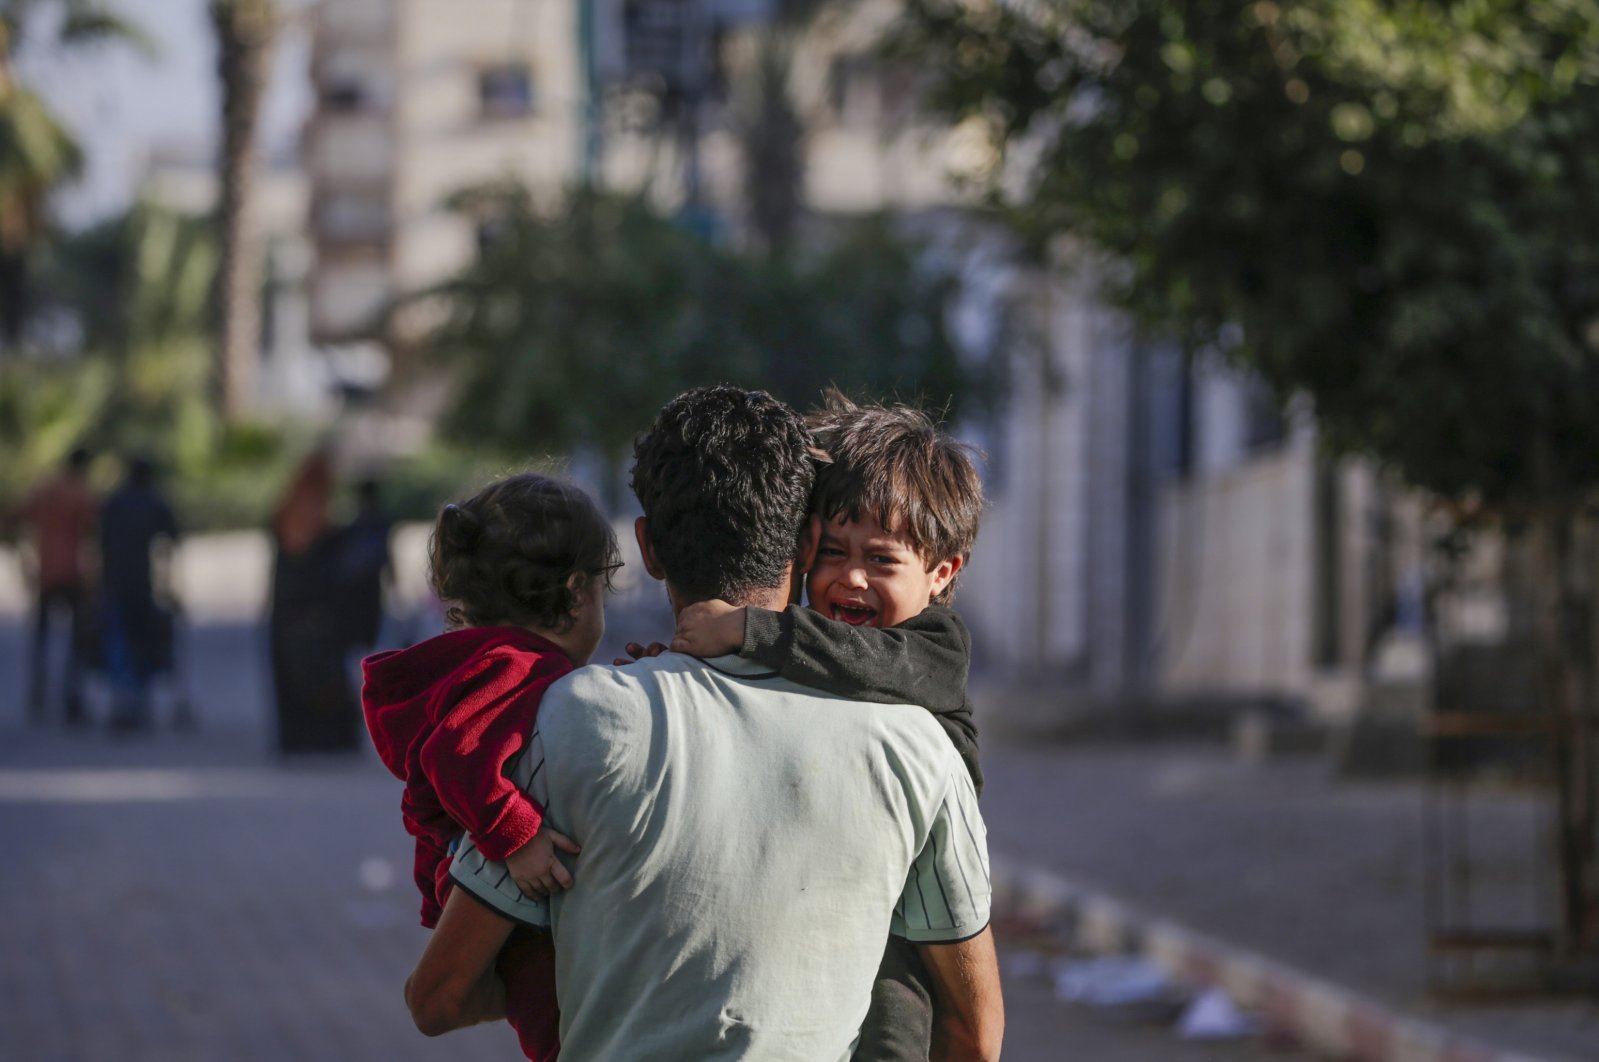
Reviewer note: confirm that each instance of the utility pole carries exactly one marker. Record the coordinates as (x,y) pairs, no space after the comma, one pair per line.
(589,129)
(692,80)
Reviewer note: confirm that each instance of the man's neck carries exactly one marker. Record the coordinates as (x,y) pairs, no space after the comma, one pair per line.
(775,598)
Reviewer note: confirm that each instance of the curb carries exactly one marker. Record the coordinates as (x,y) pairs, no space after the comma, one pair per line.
(1316,1013)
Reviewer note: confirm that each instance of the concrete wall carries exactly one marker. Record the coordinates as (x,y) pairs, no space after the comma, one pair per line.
(1048,586)
(1236,562)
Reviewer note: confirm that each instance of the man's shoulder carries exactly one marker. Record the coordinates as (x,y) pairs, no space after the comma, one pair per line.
(609,687)
(606,713)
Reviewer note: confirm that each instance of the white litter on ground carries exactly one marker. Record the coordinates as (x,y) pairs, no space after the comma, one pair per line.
(1214,1016)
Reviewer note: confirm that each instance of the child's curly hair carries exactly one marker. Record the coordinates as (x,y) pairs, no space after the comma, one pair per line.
(507,555)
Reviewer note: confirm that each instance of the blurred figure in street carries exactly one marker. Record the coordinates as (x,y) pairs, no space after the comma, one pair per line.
(315,707)
(61,512)
(365,569)
(135,523)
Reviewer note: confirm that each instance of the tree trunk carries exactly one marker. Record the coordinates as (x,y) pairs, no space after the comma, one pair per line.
(1566,690)
(774,148)
(244,32)
(1583,617)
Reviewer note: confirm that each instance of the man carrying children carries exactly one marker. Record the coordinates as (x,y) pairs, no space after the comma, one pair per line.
(750,843)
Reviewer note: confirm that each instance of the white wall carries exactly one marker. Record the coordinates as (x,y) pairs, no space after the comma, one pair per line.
(1235,604)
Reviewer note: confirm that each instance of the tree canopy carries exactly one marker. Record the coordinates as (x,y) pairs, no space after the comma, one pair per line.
(574,325)
(1387,205)
(37,154)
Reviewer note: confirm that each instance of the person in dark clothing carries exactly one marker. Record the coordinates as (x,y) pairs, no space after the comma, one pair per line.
(61,512)
(134,522)
(316,708)
(898,508)
(364,568)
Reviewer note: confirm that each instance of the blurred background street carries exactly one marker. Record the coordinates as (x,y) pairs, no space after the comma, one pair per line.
(1273,325)
(193,895)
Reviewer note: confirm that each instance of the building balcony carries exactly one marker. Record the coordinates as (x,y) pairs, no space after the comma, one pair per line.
(343,22)
(351,149)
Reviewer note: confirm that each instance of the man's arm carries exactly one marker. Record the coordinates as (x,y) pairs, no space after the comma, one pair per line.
(969,1021)
(454,984)
(944,910)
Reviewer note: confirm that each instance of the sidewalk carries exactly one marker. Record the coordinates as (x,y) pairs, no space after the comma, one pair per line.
(1300,893)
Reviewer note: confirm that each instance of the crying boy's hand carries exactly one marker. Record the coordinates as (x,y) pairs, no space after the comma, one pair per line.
(709,628)
(638,652)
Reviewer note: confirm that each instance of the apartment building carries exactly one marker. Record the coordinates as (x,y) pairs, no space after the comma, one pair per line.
(415,100)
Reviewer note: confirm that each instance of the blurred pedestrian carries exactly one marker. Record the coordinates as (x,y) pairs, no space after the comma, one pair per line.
(316,709)
(61,512)
(135,523)
(365,568)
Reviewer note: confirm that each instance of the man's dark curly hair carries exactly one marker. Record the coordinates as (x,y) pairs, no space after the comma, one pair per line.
(893,463)
(724,477)
(506,555)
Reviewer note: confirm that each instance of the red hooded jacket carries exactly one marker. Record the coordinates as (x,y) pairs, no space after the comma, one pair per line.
(448,716)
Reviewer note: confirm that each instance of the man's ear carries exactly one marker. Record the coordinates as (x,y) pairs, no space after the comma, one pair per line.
(810,541)
(647,551)
(945,571)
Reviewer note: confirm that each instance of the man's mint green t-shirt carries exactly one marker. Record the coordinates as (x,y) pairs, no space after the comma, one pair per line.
(748,846)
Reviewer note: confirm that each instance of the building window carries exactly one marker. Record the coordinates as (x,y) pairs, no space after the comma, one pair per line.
(851,90)
(493,233)
(345,95)
(505,91)
(1265,427)
(353,217)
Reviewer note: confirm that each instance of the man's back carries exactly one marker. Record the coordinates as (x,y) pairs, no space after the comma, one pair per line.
(745,844)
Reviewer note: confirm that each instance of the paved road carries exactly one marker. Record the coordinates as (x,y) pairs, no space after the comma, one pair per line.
(1285,860)
(190,897)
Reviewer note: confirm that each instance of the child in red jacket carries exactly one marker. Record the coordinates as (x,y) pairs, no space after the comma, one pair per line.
(523,567)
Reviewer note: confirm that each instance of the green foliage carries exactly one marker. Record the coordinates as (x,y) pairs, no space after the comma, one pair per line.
(37,154)
(572,329)
(418,486)
(599,292)
(1386,204)
(44,411)
(136,287)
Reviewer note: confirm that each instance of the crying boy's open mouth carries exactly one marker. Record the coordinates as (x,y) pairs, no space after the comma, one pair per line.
(854,615)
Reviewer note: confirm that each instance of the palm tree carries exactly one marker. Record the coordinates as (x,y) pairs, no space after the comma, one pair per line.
(244,31)
(774,145)
(37,155)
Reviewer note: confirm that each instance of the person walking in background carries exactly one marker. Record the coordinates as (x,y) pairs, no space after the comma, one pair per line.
(365,568)
(61,512)
(316,709)
(135,522)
